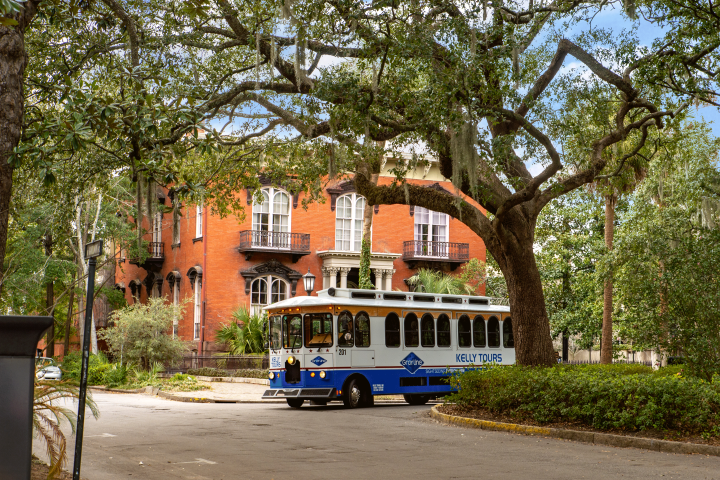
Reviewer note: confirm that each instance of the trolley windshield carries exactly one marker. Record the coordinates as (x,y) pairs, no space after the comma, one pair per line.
(275,332)
(318,330)
(292,331)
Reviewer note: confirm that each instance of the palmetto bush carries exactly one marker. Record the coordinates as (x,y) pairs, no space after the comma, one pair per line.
(430,281)
(244,335)
(49,414)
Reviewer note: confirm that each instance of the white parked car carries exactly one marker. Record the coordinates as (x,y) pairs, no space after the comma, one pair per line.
(47,369)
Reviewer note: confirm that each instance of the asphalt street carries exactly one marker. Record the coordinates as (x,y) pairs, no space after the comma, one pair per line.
(139,436)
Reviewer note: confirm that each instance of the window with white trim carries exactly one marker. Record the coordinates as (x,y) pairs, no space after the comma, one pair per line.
(349,216)
(199,220)
(176,222)
(431,230)
(265,291)
(157,227)
(271,215)
(176,303)
(196,307)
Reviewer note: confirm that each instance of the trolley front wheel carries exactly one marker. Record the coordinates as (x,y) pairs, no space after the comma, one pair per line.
(355,395)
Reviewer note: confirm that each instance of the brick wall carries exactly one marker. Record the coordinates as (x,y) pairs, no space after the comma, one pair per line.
(216,253)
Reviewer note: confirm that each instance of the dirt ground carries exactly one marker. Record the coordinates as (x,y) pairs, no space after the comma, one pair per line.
(654,434)
(40,471)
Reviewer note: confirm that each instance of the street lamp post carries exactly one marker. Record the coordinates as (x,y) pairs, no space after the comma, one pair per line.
(92,251)
(309,282)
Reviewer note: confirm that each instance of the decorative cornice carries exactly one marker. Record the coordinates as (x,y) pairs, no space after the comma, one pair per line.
(342,254)
(339,190)
(271,267)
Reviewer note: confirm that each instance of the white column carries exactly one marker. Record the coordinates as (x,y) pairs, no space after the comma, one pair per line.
(333,276)
(388,279)
(326,278)
(378,278)
(343,276)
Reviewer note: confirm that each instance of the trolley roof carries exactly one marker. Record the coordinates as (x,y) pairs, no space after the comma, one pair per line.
(391,299)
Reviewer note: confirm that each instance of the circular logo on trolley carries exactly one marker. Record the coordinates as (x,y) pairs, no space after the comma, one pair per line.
(318,360)
(411,363)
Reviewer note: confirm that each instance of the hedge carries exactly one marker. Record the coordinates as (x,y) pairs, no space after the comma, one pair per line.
(626,397)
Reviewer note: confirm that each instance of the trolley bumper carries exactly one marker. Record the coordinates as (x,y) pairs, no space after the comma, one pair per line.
(305,393)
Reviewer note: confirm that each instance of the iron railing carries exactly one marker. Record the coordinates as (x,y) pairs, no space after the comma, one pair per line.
(443,251)
(222,362)
(265,240)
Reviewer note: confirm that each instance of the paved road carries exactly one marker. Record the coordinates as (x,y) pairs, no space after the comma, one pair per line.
(145,437)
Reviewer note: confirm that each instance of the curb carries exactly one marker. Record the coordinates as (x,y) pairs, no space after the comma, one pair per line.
(116,390)
(256,381)
(609,439)
(178,398)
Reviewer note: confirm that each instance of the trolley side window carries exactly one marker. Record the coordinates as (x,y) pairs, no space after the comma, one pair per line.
(276,332)
(392,330)
(508,340)
(493,327)
(412,336)
(427,330)
(362,330)
(345,329)
(292,331)
(443,331)
(318,330)
(464,334)
(479,332)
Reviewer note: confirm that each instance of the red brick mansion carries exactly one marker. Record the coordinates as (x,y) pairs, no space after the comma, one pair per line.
(222,264)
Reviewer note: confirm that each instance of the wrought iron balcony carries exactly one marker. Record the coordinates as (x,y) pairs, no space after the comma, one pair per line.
(255,241)
(154,261)
(424,251)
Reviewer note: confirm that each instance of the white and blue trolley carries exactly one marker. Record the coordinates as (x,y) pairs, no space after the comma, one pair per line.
(350,345)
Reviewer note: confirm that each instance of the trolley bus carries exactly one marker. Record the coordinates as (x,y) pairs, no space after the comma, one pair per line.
(350,345)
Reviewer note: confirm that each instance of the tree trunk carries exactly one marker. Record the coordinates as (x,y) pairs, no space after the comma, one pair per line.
(68,320)
(531,327)
(607,330)
(50,301)
(13,61)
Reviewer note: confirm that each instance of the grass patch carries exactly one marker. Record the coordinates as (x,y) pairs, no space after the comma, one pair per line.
(604,397)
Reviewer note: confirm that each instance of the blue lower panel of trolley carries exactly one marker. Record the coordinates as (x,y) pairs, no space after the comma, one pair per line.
(382,381)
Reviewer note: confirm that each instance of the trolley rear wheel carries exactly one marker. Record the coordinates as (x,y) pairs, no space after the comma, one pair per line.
(416,399)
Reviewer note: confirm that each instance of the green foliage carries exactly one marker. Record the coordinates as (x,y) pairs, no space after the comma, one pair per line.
(98,367)
(431,281)
(141,334)
(626,397)
(365,282)
(245,335)
(217,372)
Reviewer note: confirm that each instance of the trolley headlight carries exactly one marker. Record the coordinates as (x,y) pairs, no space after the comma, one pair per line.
(291,360)
(322,374)
(271,375)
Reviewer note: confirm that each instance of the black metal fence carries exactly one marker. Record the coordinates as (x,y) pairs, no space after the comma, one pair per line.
(597,362)
(223,362)
(261,239)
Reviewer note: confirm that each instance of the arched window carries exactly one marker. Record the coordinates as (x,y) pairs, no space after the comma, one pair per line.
(508,340)
(431,232)
(265,291)
(349,222)
(427,330)
(464,334)
(443,331)
(493,328)
(479,332)
(271,218)
(412,337)
(345,329)
(362,330)
(392,330)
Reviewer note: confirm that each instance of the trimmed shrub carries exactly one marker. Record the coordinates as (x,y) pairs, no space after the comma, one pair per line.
(627,397)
